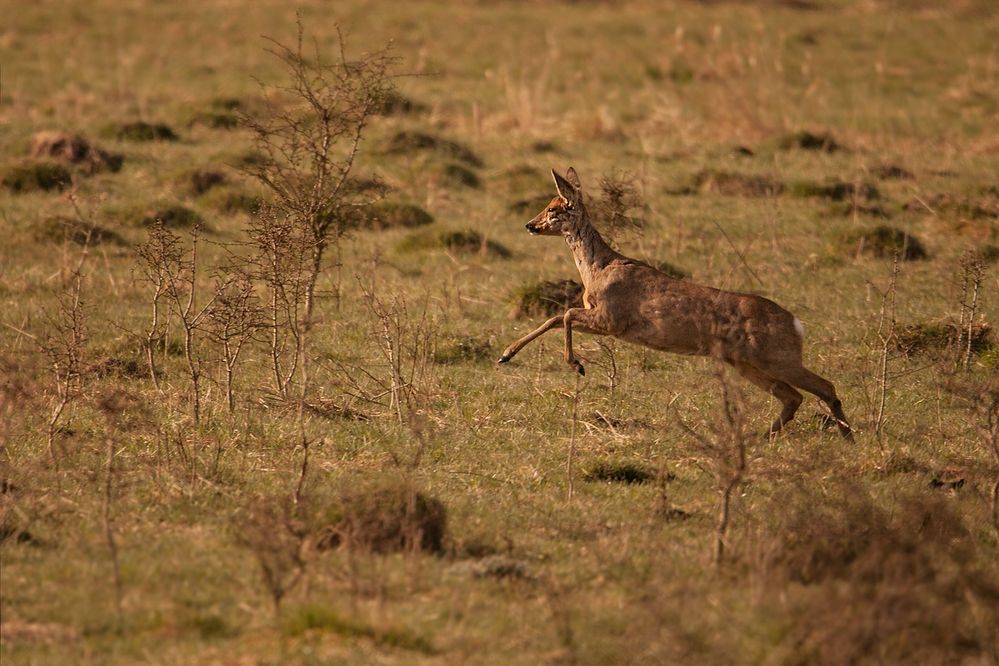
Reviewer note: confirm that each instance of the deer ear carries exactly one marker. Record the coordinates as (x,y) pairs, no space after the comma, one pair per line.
(573,178)
(566,190)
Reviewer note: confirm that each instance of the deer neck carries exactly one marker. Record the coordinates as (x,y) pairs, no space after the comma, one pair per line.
(590,251)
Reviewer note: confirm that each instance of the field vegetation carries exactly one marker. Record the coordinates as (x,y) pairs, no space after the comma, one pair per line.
(257,266)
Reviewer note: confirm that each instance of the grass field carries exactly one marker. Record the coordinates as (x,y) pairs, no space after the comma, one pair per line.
(789,148)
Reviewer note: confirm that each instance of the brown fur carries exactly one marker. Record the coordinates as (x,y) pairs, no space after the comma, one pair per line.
(630,300)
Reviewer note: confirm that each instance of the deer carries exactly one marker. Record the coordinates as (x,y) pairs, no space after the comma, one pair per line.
(630,300)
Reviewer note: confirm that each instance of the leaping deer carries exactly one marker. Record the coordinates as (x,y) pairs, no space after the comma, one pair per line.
(633,301)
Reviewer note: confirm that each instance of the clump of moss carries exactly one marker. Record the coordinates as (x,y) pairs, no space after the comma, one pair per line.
(884,242)
(140,131)
(942,336)
(806,140)
(61,229)
(384,517)
(36,176)
(546,298)
(735,184)
(459,241)
(456,175)
(231,201)
(173,216)
(392,214)
(462,349)
(618,471)
(406,142)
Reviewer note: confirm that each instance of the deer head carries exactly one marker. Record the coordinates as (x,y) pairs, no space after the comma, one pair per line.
(564,211)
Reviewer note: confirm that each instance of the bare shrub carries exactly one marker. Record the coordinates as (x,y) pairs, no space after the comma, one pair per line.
(309,138)
(278,538)
(233,318)
(617,206)
(723,453)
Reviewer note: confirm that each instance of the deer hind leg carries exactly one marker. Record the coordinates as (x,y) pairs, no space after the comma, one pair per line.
(805,379)
(512,350)
(790,399)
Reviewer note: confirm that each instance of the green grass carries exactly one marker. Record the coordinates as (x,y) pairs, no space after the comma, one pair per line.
(724,114)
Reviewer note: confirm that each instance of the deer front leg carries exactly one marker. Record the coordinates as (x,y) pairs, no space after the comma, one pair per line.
(584,321)
(521,343)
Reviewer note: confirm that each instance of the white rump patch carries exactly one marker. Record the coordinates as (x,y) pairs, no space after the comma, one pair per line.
(800,328)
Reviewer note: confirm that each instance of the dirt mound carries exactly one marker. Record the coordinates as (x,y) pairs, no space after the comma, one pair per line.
(941,336)
(735,184)
(61,229)
(140,131)
(618,471)
(74,149)
(172,216)
(36,176)
(406,142)
(834,190)
(199,181)
(805,140)
(466,241)
(884,242)
(385,517)
(456,175)
(391,215)
(462,349)
(546,298)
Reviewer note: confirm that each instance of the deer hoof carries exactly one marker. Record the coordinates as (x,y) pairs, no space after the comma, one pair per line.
(504,359)
(580,369)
